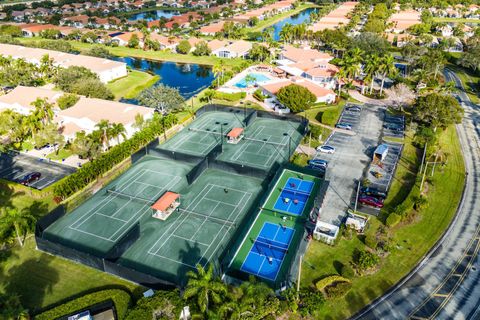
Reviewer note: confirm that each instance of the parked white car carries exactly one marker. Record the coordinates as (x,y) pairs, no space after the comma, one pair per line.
(326,149)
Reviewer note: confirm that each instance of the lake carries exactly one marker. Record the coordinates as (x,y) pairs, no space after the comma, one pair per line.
(301,17)
(153,15)
(189,79)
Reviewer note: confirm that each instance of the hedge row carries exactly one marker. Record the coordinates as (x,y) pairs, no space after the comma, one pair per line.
(164,305)
(232,97)
(93,169)
(121,299)
(325,282)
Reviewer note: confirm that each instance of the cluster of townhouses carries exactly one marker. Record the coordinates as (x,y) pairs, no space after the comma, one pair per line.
(82,116)
(471,11)
(335,18)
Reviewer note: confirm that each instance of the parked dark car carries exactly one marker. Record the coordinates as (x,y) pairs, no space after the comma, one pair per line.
(353,109)
(373,192)
(344,125)
(393,126)
(371,201)
(318,164)
(31,177)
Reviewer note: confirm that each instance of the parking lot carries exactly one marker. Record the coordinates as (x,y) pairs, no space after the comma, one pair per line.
(393,126)
(380,174)
(14,167)
(350,160)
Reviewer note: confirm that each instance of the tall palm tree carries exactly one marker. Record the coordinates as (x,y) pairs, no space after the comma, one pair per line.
(341,76)
(117,130)
(370,69)
(286,33)
(219,70)
(205,287)
(104,128)
(43,110)
(19,220)
(386,69)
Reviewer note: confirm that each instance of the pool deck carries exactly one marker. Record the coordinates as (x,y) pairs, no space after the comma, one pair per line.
(230,86)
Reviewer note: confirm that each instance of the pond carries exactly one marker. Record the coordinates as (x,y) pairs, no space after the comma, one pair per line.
(301,17)
(153,15)
(189,79)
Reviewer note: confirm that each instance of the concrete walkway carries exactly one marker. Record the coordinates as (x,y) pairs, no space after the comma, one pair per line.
(377,102)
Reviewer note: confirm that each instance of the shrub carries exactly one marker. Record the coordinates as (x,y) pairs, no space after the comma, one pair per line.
(67,100)
(162,305)
(327,281)
(232,97)
(184,47)
(365,260)
(393,219)
(259,95)
(310,301)
(371,241)
(202,49)
(337,290)
(120,298)
(347,271)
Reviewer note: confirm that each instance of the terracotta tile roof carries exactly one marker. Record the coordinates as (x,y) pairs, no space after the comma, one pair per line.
(312,87)
(235,133)
(213,28)
(165,201)
(217,44)
(299,54)
(24,96)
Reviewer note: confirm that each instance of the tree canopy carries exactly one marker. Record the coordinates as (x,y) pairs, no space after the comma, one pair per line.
(296,98)
(437,110)
(162,98)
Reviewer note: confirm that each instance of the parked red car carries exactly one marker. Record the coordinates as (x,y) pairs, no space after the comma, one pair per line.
(371,201)
(31,177)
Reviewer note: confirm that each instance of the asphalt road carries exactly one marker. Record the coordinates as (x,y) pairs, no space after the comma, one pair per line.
(446,284)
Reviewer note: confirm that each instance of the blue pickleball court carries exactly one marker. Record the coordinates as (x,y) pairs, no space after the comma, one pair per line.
(268,251)
(294,196)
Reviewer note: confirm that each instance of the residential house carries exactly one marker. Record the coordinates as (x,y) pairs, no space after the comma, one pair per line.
(106,69)
(236,49)
(322,94)
(212,29)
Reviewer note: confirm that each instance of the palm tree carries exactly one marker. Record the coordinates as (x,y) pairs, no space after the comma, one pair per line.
(104,128)
(387,69)
(267,34)
(219,70)
(20,220)
(341,78)
(43,111)
(205,287)
(117,130)
(286,33)
(370,69)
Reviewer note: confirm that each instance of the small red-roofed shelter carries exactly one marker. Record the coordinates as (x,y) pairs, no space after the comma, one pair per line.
(235,135)
(165,205)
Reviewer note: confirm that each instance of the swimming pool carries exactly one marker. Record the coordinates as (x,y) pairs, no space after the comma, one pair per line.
(256,77)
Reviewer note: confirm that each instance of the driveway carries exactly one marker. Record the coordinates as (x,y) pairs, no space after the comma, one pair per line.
(446,284)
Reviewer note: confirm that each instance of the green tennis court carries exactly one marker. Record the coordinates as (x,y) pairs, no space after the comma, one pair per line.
(267,141)
(98,224)
(212,208)
(204,133)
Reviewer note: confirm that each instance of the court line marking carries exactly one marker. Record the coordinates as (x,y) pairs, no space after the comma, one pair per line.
(228,227)
(135,216)
(205,219)
(111,197)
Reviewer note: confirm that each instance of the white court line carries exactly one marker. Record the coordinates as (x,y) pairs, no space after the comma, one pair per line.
(106,215)
(219,242)
(172,225)
(201,225)
(107,199)
(142,210)
(135,216)
(189,240)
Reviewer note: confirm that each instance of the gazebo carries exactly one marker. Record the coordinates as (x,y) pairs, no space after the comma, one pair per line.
(165,205)
(235,135)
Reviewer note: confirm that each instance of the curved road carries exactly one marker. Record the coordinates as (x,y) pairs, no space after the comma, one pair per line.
(446,284)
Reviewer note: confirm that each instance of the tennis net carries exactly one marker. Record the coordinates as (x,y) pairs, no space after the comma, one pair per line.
(230,223)
(129,197)
(295,192)
(207,131)
(266,141)
(264,245)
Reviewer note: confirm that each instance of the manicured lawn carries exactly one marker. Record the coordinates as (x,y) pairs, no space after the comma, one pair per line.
(470,82)
(62,154)
(456,20)
(41,279)
(152,55)
(411,241)
(130,86)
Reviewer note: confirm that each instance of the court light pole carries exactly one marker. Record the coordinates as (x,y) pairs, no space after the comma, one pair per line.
(289,143)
